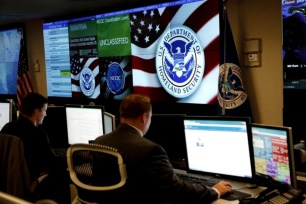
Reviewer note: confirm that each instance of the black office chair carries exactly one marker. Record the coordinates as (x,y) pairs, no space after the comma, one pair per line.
(300,156)
(14,175)
(97,171)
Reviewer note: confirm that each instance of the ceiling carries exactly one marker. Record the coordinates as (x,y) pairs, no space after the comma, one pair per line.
(16,11)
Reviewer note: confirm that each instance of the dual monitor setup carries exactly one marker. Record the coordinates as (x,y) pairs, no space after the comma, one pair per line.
(226,147)
(70,124)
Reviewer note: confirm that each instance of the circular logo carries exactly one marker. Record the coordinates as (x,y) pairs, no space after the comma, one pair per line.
(231,93)
(179,61)
(87,82)
(115,78)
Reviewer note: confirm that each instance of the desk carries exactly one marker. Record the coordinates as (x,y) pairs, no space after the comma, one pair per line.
(241,187)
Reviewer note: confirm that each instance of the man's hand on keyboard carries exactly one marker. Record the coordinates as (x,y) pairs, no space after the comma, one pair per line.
(223,187)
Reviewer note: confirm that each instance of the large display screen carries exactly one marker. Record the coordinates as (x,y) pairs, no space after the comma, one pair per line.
(9,56)
(294,43)
(168,51)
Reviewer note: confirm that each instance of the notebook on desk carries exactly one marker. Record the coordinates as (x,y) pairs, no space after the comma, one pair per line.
(220,147)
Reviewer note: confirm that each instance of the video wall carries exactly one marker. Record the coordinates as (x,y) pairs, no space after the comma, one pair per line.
(294,43)
(168,51)
(9,56)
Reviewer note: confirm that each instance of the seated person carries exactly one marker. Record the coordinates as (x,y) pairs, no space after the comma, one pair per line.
(38,153)
(151,177)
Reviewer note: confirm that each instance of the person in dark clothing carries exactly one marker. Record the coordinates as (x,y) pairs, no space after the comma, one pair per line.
(38,153)
(151,177)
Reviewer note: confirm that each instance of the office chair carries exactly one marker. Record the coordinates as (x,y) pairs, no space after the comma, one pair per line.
(300,156)
(97,171)
(14,174)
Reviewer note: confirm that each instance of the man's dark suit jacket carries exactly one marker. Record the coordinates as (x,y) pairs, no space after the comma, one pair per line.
(151,178)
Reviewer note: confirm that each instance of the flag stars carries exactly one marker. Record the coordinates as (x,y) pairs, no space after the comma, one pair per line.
(142,23)
(136,38)
(157,29)
(134,17)
(132,23)
(150,27)
(139,30)
(152,13)
(147,39)
(145,13)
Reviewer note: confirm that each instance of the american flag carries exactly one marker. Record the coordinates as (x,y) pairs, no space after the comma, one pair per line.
(146,28)
(76,65)
(24,85)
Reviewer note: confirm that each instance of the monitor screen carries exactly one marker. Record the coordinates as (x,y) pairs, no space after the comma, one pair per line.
(220,146)
(162,50)
(56,126)
(109,122)
(167,130)
(84,123)
(273,152)
(294,44)
(9,57)
(5,113)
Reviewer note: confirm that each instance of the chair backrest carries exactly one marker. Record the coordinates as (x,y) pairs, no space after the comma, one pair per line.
(14,174)
(96,168)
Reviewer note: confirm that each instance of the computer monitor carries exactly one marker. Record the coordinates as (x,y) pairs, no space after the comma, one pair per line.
(220,147)
(109,122)
(167,130)
(84,123)
(56,126)
(5,113)
(273,153)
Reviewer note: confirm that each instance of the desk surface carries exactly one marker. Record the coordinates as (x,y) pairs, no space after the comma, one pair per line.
(243,188)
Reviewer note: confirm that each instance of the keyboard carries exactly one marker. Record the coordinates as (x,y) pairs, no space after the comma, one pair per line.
(192,179)
(235,195)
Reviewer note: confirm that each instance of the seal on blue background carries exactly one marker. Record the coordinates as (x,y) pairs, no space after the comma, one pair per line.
(87,82)
(115,78)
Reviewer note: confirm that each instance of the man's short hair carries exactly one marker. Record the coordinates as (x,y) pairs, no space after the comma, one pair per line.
(134,105)
(31,102)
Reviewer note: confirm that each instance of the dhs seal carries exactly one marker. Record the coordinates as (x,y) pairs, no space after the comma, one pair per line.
(115,78)
(179,61)
(87,82)
(231,93)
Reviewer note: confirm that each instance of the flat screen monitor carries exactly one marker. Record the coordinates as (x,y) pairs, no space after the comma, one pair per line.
(167,130)
(109,122)
(10,38)
(220,147)
(294,43)
(5,113)
(84,123)
(56,126)
(161,50)
(273,153)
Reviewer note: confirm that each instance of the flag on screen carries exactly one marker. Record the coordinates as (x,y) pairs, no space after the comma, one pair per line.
(24,85)
(147,27)
(77,65)
(232,96)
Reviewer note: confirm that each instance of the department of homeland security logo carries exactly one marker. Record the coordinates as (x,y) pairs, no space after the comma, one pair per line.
(231,93)
(115,78)
(179,61)
(87,81)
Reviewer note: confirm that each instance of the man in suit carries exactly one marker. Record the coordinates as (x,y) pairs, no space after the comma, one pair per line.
(38,153)
(151,178)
